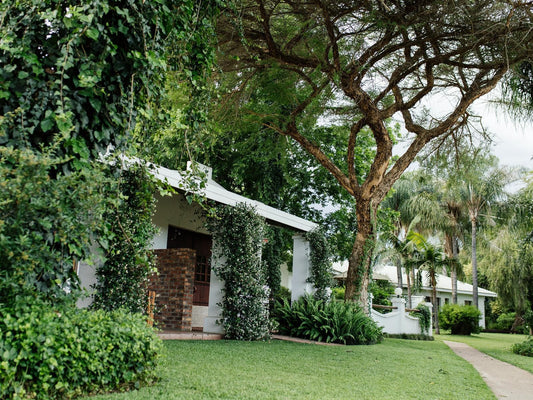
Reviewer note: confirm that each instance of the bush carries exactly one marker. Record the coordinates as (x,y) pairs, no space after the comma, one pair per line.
(331,322)
(461,320)
(337,293)
(524,348)
(48,353)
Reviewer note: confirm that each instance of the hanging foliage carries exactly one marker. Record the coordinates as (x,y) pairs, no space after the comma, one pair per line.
(238,239)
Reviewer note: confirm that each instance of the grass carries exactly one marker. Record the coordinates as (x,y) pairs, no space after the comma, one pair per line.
(395,369)
(497,345)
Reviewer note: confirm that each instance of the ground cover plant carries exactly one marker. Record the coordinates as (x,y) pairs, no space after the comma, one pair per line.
(283,370)
(497,345)
(331,322)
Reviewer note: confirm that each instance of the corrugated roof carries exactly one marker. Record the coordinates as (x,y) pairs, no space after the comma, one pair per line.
(214,191)
(388,272)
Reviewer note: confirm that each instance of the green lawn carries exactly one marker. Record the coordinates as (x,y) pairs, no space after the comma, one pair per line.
(497,345)
(395,369)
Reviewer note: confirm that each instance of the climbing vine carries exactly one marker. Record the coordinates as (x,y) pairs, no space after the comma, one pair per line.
(320,257)
(238,240)
(424,318)
(123,277)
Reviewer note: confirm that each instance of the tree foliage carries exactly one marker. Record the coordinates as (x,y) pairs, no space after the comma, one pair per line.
(365,62)
(46,223)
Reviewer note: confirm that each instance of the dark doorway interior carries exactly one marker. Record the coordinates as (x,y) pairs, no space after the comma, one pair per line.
(179,238)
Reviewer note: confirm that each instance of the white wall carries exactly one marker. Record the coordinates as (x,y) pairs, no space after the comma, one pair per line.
(175,210)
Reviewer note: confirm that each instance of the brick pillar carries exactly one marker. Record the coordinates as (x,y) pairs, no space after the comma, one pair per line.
(174,286)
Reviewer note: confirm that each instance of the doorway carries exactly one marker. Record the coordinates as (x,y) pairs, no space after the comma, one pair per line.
(179,238)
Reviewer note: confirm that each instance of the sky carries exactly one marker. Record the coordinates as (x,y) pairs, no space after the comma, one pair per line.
(513,140)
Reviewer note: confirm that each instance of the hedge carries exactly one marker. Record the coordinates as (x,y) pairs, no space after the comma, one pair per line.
(49,353)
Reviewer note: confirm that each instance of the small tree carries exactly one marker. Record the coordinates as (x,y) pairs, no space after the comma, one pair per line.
(46,222)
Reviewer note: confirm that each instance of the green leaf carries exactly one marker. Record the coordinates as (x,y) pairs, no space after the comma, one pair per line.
(93,33)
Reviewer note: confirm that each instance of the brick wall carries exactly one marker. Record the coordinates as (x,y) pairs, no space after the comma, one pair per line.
(174,285)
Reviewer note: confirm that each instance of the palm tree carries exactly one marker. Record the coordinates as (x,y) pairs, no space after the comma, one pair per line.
(432,259)
(480,189)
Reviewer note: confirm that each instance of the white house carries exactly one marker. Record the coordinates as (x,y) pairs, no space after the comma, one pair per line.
(187,293)
(444,287)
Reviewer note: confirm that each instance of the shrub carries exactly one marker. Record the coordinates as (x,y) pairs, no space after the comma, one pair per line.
(505,321)
(49,353)
(331,322)
(129,262)
(524,348)
(282,294)
(337,293)
(462,320)
(41,213)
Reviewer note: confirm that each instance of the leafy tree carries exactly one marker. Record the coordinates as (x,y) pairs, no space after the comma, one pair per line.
(46,222)
(365,62)
(480,188)
(507,260)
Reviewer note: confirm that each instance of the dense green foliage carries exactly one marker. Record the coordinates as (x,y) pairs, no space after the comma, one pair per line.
(46,222)
(238,240)
(54,353)
(524,348)
(123,276)
(461,320)
(382,291)
(330,322)
(272,258)
(320,259)
(82,71)
(424,318)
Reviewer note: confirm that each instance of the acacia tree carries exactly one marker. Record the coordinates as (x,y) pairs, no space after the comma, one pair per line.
(367,62)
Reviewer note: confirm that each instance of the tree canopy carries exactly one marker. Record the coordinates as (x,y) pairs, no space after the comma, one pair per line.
(363,63)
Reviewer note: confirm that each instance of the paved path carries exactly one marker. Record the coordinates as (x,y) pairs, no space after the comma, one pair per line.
(505,380)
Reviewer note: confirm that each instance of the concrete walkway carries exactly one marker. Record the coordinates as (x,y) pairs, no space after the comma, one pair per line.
(505,380)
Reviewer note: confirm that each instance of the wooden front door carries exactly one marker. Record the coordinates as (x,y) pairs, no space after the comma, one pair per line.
(181,238)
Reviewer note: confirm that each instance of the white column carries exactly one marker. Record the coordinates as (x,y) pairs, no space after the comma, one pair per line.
(301,268)
(216,287)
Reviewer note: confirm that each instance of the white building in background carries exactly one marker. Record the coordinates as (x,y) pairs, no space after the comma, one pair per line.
(444,287)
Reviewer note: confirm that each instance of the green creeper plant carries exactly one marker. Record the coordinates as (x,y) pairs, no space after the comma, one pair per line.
(238,240)
(320,257)
(123,277)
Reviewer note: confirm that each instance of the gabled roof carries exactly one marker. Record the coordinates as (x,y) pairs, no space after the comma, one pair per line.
(213,191)
(389,272)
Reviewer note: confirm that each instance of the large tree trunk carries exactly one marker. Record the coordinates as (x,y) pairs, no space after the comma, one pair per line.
(474,262)
(358,275)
